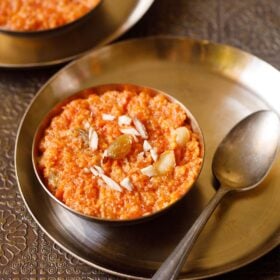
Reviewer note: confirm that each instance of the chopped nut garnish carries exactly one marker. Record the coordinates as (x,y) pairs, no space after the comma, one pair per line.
(126,184)
(94,171)
(108,117)
(93,139)
(99,169)
(111,183)
(124,120)
(140,128)
(149,171)
(154,154)
(120,148)
(166,163)
(146,146)
(130,130)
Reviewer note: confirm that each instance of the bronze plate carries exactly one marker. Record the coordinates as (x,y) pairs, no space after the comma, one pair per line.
(220,85)
(109,20)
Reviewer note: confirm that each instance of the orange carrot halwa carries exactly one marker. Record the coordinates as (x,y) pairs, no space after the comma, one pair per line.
(120,155)
(34,15)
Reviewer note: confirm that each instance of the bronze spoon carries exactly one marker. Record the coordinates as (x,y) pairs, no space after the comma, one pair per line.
(240,163)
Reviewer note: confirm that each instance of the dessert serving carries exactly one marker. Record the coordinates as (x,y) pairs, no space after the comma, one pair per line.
(119,152)
(37,15)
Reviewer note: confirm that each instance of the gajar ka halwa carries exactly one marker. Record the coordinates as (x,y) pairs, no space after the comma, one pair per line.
(120,155)
(35,15)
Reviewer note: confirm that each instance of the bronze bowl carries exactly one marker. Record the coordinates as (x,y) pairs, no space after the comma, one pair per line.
(99,90)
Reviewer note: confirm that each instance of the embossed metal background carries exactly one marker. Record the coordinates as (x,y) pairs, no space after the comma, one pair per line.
(220,85)
(108,21)
(252,25)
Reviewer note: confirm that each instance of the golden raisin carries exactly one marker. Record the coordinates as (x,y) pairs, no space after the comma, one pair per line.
(120,148)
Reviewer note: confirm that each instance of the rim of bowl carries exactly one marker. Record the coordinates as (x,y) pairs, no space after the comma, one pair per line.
(99,90)
(31,33)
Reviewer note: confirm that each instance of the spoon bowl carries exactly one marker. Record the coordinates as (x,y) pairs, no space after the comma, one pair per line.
(246,154)
(240,163)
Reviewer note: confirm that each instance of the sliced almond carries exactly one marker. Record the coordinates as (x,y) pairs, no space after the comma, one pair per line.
(94,171)
(165,163)
(90,131)
(130,131)
(108,117)
(140,128)
(154,154)
(146,146)
(148,171)
(126,183)
(93,139)
(182,135)
(111,183)
(99,169)
(124,120)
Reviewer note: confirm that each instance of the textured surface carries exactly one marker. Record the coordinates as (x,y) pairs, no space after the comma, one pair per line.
(25,252)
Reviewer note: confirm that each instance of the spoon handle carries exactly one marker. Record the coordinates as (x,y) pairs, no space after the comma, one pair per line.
(171,267)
